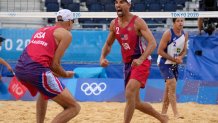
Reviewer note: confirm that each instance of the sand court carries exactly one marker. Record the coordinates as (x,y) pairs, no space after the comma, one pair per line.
(104,112)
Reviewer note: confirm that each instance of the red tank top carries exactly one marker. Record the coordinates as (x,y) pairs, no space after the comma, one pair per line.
(42,46)
(130,42)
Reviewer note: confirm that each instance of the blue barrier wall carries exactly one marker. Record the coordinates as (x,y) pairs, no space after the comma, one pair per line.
(112,90)
(201,76)
(112,71)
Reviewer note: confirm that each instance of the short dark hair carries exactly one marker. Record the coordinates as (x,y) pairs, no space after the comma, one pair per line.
(124,0)
(59,18)
(1,39)
(174,20)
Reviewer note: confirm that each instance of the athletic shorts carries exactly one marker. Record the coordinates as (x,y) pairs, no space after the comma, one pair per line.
(169,71)
(139,73)
(46,83)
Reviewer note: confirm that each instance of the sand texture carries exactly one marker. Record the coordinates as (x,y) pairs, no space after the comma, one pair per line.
(104,112)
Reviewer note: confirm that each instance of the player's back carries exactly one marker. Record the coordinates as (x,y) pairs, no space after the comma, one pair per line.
(40,51)
(42,46)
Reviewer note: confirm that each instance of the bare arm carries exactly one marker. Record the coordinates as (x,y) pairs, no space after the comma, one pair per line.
(146,33)
(2,61)
(143,30)
(163,44)
(63,38)
(107,46)
(200,24)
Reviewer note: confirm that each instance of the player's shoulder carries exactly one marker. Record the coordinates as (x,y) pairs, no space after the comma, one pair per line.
(139,22)
(138,19)
(185,32)
(112,24)
(62,31)
(113,21)
(167,32)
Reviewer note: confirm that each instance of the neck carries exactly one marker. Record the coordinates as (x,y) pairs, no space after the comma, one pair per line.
(61,25)
(126,17)
(177,31)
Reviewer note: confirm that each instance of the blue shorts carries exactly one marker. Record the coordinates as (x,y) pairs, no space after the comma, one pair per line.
(169,71)
(37,78)
(45,83)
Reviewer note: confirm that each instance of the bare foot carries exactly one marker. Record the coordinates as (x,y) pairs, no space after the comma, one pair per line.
(165,118)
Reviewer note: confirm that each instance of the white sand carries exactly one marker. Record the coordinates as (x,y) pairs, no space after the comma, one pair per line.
(104,112)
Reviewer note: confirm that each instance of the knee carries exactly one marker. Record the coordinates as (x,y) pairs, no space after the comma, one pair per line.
(75,108)
(129,93)
(138,105)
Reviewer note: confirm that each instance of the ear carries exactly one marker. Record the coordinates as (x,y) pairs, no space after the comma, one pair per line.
(69,22)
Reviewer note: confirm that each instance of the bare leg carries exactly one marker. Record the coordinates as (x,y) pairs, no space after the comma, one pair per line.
(133,101)
(71,107)
(148,109)
(165,100)
(41,106)
(130,92)
(171,83)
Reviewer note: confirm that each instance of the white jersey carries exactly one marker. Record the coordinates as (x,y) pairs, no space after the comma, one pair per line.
(174,47)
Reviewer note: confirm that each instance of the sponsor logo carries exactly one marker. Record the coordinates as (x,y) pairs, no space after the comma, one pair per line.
(126,46)
(18,90)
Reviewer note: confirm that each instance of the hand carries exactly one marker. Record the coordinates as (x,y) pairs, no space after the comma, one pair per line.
(137,62)
(55,74)
(179,60)
(69,74)
(104,62)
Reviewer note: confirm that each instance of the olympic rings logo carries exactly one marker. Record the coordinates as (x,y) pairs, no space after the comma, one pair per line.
(93,88)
